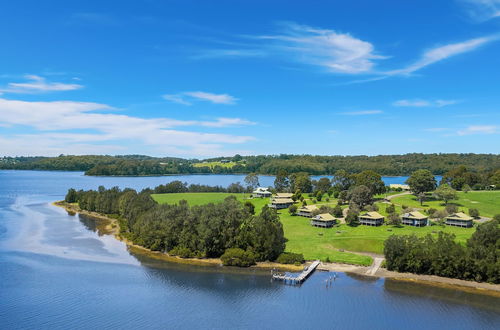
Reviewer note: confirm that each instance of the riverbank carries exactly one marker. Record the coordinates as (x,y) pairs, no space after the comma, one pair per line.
(110,226)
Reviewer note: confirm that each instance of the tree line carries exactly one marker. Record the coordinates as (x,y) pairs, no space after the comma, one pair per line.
(477,260)
(205,231)
(138,165)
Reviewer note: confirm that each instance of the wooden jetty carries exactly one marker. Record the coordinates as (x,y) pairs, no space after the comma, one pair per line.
(301,277)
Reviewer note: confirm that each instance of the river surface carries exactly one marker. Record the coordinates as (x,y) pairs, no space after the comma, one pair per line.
(57,272)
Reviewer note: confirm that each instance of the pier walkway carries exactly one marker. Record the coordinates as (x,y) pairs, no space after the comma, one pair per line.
(301,277)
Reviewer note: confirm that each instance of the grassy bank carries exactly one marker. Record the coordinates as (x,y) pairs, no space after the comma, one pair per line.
(487,202)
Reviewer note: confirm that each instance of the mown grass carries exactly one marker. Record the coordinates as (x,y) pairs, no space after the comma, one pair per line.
(324,244)
(487,202)
(213,164)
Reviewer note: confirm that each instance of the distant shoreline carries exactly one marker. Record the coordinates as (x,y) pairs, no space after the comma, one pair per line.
(111,227)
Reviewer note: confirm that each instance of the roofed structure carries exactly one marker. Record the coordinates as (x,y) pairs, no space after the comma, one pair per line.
(414,218)
(324,220)
(281,203)
(307,210)
(261,192)
(371,219)
(459,219)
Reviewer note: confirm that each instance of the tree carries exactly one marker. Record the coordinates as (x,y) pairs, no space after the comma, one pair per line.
(371,180)
(394,219)
(446,193)
(352,218)
(71,196)
(292,209)
(252,180)
(337,211)
(466,188)
(300,181)
(322,184)
(342,180)
(474,213)
(420,182)
(281,182)
(390,209)
(360,195)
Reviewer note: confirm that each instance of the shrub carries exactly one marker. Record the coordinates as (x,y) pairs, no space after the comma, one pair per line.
(394,219)
(337,211)
(290,258)
(474,213)
(352,218)
(390,209)
(451,208)
(238,257)
(496,217)
(292,209)
(431,211)
(336,194)
(182,252)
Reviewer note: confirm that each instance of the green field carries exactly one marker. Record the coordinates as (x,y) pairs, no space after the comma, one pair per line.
(318,243)
(213,164)
(487,202)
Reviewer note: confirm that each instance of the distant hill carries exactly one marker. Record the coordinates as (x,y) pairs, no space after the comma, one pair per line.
(140,165)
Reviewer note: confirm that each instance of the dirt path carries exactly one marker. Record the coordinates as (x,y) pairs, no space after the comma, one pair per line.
(398,195)
(375,266)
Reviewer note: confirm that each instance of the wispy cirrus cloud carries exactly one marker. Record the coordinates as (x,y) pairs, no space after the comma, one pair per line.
(441,53)
(187,98)
(362,113)
(60,123)
(479,129)
(419,103)
(482,10)
(36,84)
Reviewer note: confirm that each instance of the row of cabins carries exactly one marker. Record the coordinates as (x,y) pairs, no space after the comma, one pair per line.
(284,200)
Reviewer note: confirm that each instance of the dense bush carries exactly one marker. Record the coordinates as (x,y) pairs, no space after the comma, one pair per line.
(290,258)
(238,257)
(479,260)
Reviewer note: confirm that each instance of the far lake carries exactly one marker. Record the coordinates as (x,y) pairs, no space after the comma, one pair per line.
(56,272)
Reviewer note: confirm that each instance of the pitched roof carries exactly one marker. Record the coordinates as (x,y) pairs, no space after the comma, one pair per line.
(371,215)
(282,201)
(283,195)
(415,215)
(324,217)
(459,216)
(308,208)
(261,190)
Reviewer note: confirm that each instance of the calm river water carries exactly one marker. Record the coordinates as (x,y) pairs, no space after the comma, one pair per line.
(56,272)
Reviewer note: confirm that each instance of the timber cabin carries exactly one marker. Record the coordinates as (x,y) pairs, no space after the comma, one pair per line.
(371,219)
(261,193)
(281,203)
(415,219)
(324,220)
(459,219)
(307,210)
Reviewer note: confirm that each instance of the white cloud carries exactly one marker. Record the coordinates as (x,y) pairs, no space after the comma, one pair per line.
(482,10)
(443,52)
(362,113)
(479,129)
(187,98)
(423,103)
(37,84)
(55,121)
(334,51)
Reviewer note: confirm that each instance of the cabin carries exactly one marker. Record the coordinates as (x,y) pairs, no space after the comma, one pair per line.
(325,220)
(404,187)
(283,195)
(371,219)
(459,219)
(261,193)
(307,210)
(415,219)
(281,203)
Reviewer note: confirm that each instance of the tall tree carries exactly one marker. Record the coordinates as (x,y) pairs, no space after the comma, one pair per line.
(360,195)
(446,193)
(300,181)
(282,183)
(323,184)
(420,182)
(252,180)
(342,180)
(372,180)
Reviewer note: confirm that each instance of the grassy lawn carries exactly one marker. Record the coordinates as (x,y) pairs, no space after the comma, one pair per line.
(487,202)
(213,164)
(318,243)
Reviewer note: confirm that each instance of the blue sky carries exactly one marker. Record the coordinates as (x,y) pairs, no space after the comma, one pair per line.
(211,78)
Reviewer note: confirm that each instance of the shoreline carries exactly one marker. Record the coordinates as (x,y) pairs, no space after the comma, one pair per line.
(111,227)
